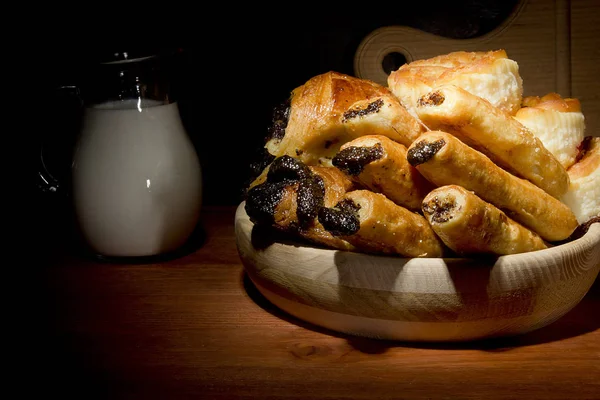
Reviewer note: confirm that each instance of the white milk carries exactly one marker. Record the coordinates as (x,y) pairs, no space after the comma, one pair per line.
(137,183)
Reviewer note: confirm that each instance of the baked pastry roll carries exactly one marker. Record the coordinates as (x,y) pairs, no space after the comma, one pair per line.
(469,225)
(583,196)
(445,160)
(290,196)
(488,74)
(409,83)
(379,164)
(375,224)
(495,133)
(558,122)
(331,109)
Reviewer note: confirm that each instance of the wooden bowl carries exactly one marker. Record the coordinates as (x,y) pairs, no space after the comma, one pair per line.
(419,299)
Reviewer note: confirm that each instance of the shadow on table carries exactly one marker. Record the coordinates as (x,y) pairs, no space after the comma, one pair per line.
(580,320)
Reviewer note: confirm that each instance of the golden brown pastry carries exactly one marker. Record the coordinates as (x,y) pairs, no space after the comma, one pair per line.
(445,160)
(375,224)
(410,83)
(379,164)
(558,122)
(583,196)
(487,74)
(290,196)
(331,109)
(261,178)
(469,225)
(495,133)
(461,58)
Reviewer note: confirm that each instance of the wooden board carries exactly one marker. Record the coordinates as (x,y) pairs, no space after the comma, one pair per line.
(556,44)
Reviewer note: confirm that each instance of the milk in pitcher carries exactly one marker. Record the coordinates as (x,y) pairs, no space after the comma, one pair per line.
(137,185)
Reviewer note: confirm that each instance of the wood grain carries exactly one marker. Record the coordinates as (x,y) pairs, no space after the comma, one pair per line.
(427,299)
(585,60)
(529,37)
(196,327)
(556,44)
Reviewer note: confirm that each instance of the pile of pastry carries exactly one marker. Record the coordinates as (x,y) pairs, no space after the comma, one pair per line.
(448,159)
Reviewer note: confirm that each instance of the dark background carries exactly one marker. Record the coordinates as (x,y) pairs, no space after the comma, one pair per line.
(232,67)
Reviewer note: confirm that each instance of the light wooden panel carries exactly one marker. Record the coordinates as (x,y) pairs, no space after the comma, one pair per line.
(585,60)
(556,44)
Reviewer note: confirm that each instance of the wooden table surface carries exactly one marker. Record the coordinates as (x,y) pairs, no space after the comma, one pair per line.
(195,327)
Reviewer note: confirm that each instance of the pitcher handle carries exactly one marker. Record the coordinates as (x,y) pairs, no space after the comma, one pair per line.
(47,182)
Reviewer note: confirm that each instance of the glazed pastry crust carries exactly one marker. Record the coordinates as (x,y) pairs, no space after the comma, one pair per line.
(389,173)
(495,133)
(552,101)
(336,184)
(469,225)
(409,83)
(490,75)
(388,228)
(583,196)
(331,109)
(445,160)
(589,162)
(558,122)
(457,59)
(285,213)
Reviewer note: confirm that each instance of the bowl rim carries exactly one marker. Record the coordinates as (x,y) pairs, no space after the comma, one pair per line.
(588,240)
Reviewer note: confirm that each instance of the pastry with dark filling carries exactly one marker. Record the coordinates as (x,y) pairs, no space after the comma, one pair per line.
(375,224)
(495,133)
(469,225)
(289,194)
(379,164)
(445,160)
(490,75)
(331,109)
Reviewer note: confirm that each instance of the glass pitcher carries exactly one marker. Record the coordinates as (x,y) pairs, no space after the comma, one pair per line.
(136,181)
